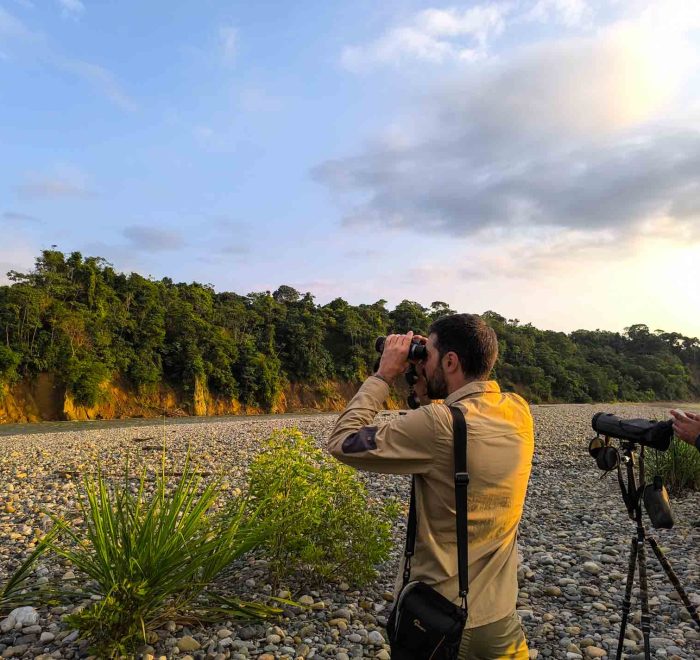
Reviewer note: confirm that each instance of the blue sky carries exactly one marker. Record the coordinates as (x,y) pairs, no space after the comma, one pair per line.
(535,157)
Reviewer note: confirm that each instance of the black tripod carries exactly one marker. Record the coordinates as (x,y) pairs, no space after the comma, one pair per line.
(632,495)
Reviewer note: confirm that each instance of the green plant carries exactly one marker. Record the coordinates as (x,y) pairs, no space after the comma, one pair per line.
(150,556)
(9,361)
(84,379)
(338,530)
(679,466)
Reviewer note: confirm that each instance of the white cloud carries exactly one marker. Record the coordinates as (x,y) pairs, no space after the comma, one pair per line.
(50,189)
(479,22)
(563,172)
(568,133)
(19,255)
(203,133)
(12,28)
(255,99)
(20,218)
(675,15)
(563,281)
(622,76)
(99,78)
(228,37)
(433,35)
(571,13)
(26,46)
(64,182)
(233,249)
(71,8)
(153,239)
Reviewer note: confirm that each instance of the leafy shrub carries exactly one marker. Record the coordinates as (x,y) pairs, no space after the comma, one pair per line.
(145,369)
(9,361)
(679,466)
(150,557)
(259,376)
(269,380)
(337,530)
(84,379)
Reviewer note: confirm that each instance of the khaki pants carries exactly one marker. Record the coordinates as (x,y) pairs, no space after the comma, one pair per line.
(500,639)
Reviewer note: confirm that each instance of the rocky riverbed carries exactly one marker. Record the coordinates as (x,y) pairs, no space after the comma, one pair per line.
(574,542)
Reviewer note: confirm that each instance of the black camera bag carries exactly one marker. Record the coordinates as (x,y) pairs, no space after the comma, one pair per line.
(657,505)
(424,624)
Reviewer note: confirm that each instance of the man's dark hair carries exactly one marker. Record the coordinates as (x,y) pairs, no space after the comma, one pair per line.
(471,339)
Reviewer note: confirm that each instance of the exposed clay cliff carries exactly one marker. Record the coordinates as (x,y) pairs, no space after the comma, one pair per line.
(45,399)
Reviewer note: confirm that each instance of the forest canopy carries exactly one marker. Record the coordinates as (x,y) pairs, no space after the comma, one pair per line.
(82,321)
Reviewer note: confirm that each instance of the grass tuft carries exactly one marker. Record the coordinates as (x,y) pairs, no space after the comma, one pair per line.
(150,556)
(679,466)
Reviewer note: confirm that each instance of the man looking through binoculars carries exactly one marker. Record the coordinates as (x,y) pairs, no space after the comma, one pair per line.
(460,353)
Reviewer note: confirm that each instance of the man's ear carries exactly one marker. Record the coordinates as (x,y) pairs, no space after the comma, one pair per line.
(451,362)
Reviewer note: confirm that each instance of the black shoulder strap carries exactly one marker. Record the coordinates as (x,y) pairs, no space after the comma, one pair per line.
(459,429)
(459,426)
(410,534)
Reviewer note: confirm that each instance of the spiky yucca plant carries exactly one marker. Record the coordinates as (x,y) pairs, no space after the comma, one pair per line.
(149,557)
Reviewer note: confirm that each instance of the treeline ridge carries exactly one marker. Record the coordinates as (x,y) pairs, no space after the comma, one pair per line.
(85,323)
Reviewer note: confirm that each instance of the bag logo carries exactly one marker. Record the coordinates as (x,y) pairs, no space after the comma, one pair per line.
(416,623)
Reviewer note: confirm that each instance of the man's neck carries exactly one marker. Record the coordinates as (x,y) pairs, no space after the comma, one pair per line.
(458,383)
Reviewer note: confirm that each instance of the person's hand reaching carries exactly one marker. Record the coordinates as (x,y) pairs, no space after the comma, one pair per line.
(686,426)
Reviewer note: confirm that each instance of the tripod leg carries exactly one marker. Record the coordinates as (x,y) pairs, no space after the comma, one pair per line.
(692,609)
(644,595)
(627,602)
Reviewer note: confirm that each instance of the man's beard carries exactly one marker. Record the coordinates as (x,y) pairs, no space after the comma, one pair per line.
(437,387)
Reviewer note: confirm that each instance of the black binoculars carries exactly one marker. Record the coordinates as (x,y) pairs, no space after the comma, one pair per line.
(416,351)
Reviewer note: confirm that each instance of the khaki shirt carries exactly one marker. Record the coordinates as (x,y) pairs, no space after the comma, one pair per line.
(500,444)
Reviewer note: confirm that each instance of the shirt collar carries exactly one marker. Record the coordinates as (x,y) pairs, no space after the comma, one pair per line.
(475,387)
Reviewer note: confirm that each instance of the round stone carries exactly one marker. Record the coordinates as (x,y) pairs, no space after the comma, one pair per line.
(375,637)
(592,568)
(188,643)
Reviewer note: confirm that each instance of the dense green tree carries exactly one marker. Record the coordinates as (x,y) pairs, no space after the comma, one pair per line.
(79,319)
(438,309)
(300,334)
(409,315)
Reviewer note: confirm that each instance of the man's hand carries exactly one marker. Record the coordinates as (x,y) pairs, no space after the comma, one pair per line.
(394,359)
(686,425)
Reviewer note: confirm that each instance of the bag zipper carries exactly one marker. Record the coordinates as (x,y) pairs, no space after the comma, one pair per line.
(399,610)
(435,650)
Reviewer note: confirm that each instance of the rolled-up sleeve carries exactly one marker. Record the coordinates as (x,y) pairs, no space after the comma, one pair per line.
(404,445)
